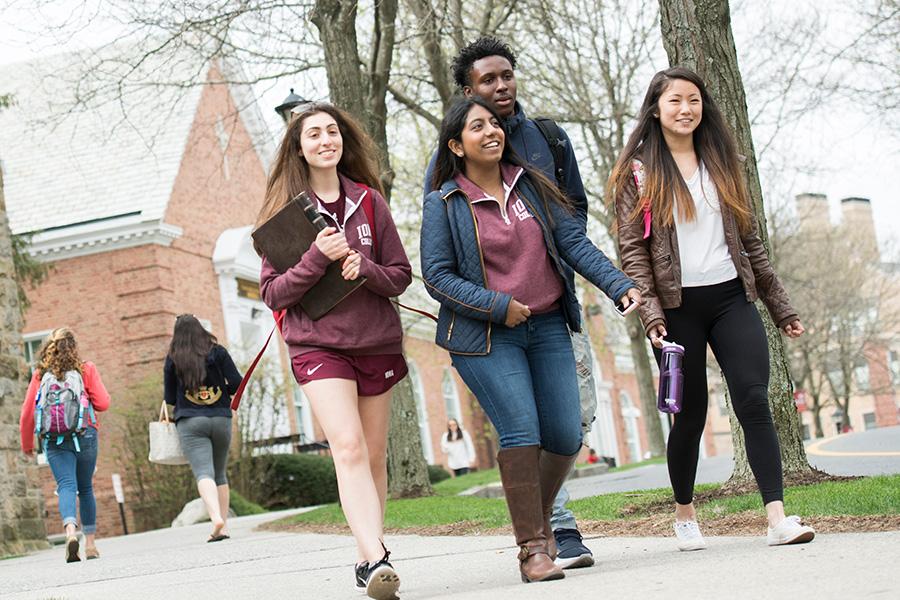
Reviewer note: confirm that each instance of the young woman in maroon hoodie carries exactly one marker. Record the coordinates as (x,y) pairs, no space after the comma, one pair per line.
(347,361)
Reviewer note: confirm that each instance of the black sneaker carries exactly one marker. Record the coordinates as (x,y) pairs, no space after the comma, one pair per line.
(361,571)
(381,581)
(571,553)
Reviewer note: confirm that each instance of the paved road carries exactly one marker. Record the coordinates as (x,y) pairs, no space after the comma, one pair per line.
(874,452)
(176,564)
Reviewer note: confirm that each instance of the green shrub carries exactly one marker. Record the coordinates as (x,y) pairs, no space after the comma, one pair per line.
(277,481)
(437,473)
(241,506)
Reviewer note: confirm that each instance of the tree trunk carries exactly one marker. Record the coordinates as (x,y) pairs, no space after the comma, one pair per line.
(697,34)
(407,470)
(363,96)
(21,505)
(644,376)
(817,422)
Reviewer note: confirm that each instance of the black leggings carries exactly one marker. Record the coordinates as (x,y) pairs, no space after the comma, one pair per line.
(721,316)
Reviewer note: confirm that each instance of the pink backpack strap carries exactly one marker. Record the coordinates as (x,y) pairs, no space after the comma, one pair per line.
(637,169)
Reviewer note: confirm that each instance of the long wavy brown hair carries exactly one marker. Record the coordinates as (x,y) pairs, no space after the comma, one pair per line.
(59,353)
(713,143)
(290,173)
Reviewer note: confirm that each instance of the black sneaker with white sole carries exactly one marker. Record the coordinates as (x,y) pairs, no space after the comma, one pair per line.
(360,572)
(381,580)
(571,552)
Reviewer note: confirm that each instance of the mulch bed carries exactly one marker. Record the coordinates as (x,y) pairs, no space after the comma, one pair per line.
(747,523)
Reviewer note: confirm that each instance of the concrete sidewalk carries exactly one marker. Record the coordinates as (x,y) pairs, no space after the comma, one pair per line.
(177,564)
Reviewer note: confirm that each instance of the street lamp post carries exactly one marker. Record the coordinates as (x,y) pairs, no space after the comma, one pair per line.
(293,100)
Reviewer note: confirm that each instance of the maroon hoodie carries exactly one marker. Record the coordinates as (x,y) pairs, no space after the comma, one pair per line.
(516,260)
(365,322)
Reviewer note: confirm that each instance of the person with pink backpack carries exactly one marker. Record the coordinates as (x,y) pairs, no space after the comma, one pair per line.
(60,409)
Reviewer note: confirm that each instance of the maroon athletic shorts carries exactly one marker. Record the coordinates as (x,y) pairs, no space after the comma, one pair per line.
(374,374)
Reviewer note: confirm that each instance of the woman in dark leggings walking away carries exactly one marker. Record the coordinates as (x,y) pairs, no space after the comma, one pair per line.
(199,378)
(689,238)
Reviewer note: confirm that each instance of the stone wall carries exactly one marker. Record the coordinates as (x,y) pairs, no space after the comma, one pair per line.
(21,525)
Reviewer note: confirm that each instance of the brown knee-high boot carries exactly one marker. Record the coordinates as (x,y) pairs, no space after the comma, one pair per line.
(554,470)
(520,475)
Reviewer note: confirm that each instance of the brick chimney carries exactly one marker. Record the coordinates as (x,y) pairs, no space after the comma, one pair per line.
(812,212)
(857,220)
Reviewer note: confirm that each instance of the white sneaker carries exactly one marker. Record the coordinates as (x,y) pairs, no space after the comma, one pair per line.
(689,536)
(791,530)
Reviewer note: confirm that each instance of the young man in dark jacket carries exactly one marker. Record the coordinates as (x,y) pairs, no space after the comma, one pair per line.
(486,68)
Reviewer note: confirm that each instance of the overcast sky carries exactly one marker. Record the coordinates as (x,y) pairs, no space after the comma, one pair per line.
(856,157)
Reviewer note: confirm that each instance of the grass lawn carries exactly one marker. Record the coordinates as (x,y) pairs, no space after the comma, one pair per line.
(864,496)
(478,513)
(455,485)
(879,496)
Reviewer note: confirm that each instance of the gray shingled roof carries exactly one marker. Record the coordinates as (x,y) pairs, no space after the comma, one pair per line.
(117,152)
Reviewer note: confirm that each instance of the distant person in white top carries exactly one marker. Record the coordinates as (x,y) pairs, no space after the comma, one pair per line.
(688,236)
(457,445)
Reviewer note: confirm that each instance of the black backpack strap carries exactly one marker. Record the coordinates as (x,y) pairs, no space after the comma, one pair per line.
(551,132)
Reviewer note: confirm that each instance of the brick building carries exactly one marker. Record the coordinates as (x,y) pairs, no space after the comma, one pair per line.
(143,205)
(127,202)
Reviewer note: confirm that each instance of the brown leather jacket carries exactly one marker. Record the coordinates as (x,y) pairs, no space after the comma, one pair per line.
(655,265)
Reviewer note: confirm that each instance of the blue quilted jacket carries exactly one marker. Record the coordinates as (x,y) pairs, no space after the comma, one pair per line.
(454,274)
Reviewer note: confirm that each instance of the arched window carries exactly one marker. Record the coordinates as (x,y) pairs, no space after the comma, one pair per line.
(421,411)
(603,436)
(630,415)
(451,396)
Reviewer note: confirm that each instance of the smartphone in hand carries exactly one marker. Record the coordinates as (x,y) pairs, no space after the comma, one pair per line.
(622,311)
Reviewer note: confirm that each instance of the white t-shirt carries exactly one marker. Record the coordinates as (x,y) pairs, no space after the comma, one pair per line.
(704,255)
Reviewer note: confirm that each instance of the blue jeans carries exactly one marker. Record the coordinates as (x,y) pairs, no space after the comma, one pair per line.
(74,472)
(527,384)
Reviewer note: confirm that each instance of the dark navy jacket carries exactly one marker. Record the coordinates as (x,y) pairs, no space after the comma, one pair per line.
(454,274)
(220,373)
(529,143)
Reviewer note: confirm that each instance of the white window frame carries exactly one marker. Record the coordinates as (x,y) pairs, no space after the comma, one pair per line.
(450,393)
(30,338)
(630,414)
(421,410)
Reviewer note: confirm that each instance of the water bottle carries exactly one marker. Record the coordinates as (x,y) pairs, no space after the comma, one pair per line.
(671,378)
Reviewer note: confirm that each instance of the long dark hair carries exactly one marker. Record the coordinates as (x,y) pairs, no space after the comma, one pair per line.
(713,143)
(454,436)
(448,165)
(59,353)
(290,173)
(189,348)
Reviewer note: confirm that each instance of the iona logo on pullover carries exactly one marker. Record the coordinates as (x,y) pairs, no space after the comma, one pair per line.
(365,234)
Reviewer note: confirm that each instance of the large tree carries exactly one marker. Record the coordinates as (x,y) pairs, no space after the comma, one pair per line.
(360,85)
(697,34)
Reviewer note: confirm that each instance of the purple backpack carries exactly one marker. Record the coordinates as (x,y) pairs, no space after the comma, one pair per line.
(60,407)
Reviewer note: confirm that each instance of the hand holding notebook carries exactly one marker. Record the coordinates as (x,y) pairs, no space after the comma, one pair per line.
(284,239)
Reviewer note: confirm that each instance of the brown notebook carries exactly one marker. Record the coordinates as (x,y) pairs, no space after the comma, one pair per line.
(284,239)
